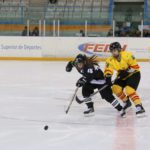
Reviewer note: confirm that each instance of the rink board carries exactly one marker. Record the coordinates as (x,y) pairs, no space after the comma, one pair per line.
(66,48)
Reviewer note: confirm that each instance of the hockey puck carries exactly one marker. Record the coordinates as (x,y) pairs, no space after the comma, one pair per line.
(46,127)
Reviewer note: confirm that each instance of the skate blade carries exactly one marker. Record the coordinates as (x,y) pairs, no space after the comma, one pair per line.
(89,115)
(124,116)
(143,115)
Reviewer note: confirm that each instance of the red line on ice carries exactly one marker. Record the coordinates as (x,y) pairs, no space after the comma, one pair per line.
(125,133)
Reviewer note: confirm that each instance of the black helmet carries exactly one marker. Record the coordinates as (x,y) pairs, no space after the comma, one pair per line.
(80,58)
(115,45)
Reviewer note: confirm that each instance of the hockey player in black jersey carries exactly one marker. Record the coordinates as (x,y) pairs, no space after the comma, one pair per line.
(92,78)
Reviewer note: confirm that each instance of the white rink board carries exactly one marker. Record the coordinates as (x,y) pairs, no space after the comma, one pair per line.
(65,47)
(21,47)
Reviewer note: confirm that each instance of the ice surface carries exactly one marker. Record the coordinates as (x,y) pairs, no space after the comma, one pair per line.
(35,94)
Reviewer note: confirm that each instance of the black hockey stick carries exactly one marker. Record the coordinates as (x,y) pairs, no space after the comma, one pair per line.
(86,99)
(105,86)
(68,108)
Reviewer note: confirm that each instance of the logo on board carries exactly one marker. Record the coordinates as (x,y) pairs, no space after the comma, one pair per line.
(96,48)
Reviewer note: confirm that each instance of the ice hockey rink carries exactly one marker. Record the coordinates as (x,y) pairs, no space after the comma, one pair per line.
(35,94)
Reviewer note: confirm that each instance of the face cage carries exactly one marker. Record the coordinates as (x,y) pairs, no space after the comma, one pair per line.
(118,49)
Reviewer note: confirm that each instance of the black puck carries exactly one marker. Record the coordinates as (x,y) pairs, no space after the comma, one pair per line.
(46,127)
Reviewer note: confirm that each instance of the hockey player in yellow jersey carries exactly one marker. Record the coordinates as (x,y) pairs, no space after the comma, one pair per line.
(128,77)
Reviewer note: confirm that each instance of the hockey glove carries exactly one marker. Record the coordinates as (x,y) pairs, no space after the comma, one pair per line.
(123,74)
(81,82)
(69,66)
(108,79)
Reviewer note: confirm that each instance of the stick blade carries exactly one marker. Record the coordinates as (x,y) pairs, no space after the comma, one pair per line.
(78,100)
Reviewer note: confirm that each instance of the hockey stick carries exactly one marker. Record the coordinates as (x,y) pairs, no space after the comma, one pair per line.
(105,86)
(86,99)
(68,108)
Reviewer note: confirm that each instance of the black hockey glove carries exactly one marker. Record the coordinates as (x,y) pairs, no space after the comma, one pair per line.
(81,82)
(69,66)
(108,79)
(123,74)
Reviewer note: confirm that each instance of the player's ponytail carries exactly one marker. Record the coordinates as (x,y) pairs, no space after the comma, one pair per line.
(92,60)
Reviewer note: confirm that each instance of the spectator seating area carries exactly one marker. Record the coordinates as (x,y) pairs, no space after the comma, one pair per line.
(80,9)
(72,15)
